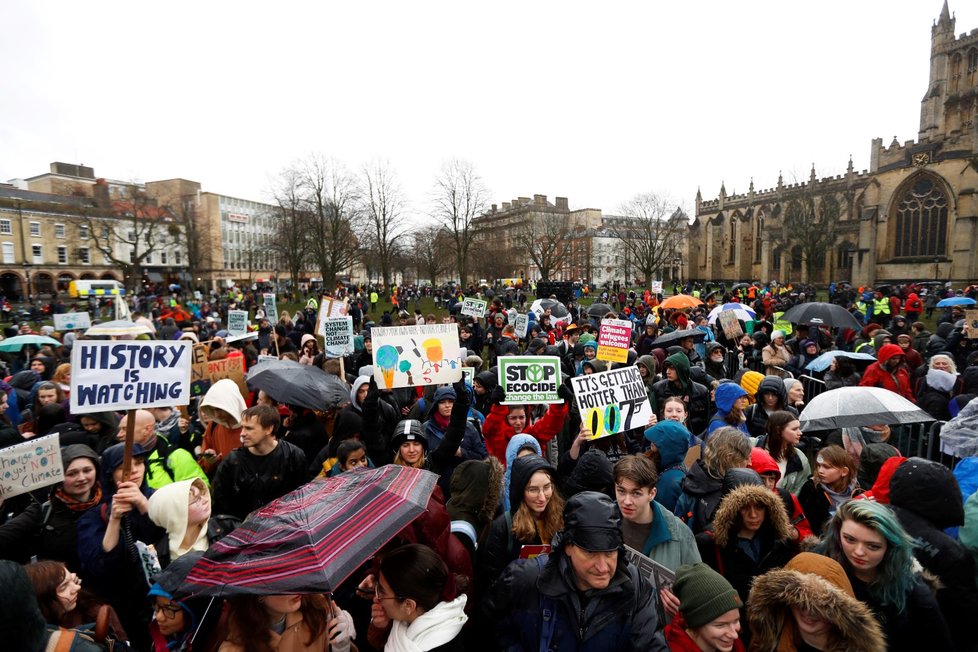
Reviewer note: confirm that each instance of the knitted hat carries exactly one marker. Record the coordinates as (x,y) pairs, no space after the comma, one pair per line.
(750,381)
(704,595)
(776,334)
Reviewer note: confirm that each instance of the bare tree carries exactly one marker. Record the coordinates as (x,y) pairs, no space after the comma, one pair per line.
(493,262)
(648,232)
(541,238)
(290,242)
(459,197)
(431,245)
(809,226)
(138,228)
(191,234)
(330,196)
(383,209)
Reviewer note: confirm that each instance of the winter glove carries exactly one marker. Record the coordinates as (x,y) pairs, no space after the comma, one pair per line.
(341,631)
(372,399)
(498,395)
(461,392)
(566,392)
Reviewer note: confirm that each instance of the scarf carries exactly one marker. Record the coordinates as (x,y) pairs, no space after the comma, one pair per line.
(440,421)
(429,630)
(77,505)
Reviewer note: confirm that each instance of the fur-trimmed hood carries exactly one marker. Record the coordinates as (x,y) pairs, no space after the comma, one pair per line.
(776,592)
(477,486)
(725,519)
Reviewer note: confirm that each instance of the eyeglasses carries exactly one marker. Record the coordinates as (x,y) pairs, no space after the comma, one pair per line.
(169,610)
(378,596)
(536,491)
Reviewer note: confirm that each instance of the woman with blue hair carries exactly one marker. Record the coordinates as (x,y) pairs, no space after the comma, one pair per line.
(866,538)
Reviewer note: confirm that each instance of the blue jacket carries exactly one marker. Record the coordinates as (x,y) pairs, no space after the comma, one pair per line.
(672,440)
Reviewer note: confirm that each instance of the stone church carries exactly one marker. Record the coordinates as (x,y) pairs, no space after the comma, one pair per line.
(912,216)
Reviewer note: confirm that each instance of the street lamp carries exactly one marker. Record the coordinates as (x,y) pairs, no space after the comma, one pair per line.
(27,281)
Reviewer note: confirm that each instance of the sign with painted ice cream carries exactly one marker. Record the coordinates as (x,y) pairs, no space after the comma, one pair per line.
(406,356)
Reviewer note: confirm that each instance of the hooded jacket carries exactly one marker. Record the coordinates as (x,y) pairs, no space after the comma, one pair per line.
(473,448)
(762,462)
(700,498)
(926,499)
(672,441)
(716,369)
(725,396)
(818,585)
(696,395)
(757,415)
(501,545)
(223,395)
(476,490)
(58,538)
(488,380)
(720,546)
(498,432)
(897,381)
(168,508)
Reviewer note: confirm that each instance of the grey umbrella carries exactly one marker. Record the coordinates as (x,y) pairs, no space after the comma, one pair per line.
(599,310)
(817,313)
(669,339)
(292,383)
(848,407)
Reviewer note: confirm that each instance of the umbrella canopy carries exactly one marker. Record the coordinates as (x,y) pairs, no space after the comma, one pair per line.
(312,539)
(599,310)
(119,328)
(737,286)
(742,312)
(821,363)
(680,301)
(18,342)
(955,301)
(817,313)
(292,383)
(848,407)
(558,311)
(670,339)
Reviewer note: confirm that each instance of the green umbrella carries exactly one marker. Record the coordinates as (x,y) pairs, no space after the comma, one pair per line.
(20,341)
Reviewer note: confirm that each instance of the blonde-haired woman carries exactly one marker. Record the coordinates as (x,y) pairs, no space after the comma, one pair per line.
(535,514)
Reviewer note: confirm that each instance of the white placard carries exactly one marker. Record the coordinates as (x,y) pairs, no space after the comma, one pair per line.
(474,307)
(129,375)
(31,465)
(329,307)
(338,336)
(521,325)
(237,322)
(656,287)
(70,321)
(271,309)
(407,356)
(612,401)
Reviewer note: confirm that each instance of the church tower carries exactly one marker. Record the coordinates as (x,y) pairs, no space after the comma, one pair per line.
(932,106)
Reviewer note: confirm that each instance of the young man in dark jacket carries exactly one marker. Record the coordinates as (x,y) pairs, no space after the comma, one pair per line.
(584,595)
(678,383)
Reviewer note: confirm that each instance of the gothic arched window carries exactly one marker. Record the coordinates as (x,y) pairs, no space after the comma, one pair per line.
(920,220)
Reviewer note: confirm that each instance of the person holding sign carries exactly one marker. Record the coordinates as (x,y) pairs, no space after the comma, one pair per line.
(677,382)
(506,421)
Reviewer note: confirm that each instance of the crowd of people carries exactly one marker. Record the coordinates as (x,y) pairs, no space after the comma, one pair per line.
(763,536)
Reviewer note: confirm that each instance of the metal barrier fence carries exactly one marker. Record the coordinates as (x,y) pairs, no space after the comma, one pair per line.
(922,440)
(813,386)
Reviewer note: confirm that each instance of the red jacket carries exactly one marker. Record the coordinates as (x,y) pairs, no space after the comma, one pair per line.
(679,641)
(498,432)
(877,376)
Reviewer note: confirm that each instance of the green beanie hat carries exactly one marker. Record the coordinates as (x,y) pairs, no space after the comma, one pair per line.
(704,595)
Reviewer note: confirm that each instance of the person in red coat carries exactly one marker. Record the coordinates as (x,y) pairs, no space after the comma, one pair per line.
(506,421)
(888,372)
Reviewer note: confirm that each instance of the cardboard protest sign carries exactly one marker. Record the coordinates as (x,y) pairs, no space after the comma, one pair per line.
(129,375)
(614,340)
(406,356)
(521,325)
(205,373)
(529,379)
(31,465)
(656,287)
(271,309)
(971,324)
(70,321)
(612,401)
(474,307)
(338,336)
(658,575)
(729,324)
(328,307)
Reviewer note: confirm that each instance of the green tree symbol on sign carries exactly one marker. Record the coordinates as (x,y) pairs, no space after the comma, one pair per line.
(534,372)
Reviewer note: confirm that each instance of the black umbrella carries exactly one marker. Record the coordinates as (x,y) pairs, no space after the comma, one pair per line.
(817,313)
(557,309)
(599,310)
(737,286)
(292,383)
(669,339)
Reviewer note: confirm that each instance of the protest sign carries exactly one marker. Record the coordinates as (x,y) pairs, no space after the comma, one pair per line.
(406,356)
(129,375)
(656,287)
(338,336)
(729,324)
(70,321)
(614,340)
(468,375)
(658,575)
(271,309)
(31,465)
(612,401)
(267,358)
(474,307)
(237,322)
(205,373)
(529,379)
(970,329)
(522,323)
(328,307)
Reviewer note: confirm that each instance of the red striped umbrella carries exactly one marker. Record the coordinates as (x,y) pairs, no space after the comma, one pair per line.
(311,540)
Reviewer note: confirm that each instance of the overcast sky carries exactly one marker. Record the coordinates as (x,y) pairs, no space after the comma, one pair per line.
(592,101)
